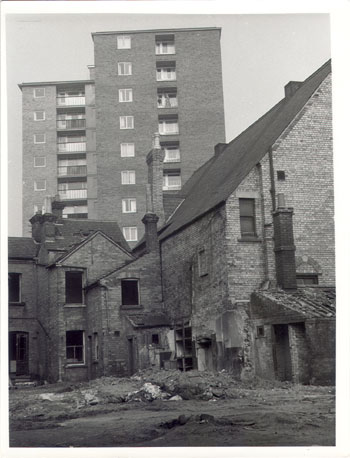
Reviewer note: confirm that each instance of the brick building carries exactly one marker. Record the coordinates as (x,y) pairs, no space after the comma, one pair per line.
(240,276)
(87,140)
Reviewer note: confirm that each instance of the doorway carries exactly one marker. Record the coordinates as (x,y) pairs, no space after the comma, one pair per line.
(281,353)
(18,353)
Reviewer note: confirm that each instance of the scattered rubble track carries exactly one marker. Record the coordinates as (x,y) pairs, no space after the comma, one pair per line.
(96,414)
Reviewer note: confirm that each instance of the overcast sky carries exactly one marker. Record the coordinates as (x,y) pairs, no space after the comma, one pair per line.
(260,54)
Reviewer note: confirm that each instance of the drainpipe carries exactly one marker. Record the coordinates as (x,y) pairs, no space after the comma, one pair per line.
(263,221)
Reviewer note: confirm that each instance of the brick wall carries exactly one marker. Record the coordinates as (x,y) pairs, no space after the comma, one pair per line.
(321,341)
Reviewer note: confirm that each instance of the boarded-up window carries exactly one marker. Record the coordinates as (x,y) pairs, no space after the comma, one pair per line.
(130,292)
(74,287)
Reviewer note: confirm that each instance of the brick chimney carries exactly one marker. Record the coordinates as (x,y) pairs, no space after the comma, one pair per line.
(150,221)
(154,161)
(57,207)
(43,225)
(284,246)
(291,88)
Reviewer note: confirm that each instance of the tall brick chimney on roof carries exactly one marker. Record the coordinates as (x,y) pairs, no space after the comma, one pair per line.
(284,246)
(43,225)
(155,160)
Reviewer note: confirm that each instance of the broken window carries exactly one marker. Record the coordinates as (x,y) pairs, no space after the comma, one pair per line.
(130,292)
(247,217)
(155,339)
(75,347)
(74,287)
(14,287)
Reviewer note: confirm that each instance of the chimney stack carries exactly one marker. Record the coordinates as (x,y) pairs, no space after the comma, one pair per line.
(43,225)
(291,88)
(155,160)
(57,207)
(219,148)
(284,246)
(150,221)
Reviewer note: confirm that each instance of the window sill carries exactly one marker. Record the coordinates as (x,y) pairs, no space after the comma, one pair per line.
(17,304)
(75,305)
(250,239)
(131,307)
(75,365)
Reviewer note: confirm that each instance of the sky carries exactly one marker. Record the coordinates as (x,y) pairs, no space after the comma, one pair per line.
(260,54)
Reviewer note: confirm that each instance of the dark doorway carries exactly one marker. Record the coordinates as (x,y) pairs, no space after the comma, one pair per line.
(281,353)
(131,351)
(18,353)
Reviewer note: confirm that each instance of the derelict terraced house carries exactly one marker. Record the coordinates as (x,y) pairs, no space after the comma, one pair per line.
(241,276)
(87,140)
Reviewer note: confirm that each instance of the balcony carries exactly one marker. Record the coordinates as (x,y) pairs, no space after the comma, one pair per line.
(167,101)
(72,194)
(70,101)
(72,170)
(72,146)
(71,124)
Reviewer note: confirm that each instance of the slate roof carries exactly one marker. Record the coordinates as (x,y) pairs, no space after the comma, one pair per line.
(22,248)
(311,301)
(74,231)
(215,181)
(148,320)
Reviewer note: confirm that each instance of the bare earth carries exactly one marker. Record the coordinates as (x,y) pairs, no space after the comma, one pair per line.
(215,410)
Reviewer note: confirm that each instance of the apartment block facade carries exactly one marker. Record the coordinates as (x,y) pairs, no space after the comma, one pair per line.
(87,141)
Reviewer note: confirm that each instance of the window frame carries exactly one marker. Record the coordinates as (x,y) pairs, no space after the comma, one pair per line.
(39,143)
(19,279)
(123,41)
(128,173)
(123,121)
(123,95)
(129,280)
(128,228)
(122,154)
(69,293)
(77,363)
(202,262)
(161,72)
(36,185)
(119,68)
(95,347)
(247,217)
(129,200)
(171,148)
(162,123)
(38,96)
(159,47)
(166,175)
(301,277)
(39,157)
(36,116)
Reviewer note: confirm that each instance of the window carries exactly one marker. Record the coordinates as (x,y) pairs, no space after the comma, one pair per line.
(14,280)
(167,99)
(125,95)
(95,346)
(40,161)
(307,279)
(39,115)
(155,339)
(260,331)
(281,175)
(130,292)
(77,211)
(172,153)
(166,73)
(129,205)
(127,149)
(165,47)
(247,217)
(124,42)
(126,122)
(168,126)
(74,287)
(40,185)
(130,234)
(75,347)
(39,138)
(124,68)
(39,92)
(71,167)
(128,177)
(172,180)
(202,263)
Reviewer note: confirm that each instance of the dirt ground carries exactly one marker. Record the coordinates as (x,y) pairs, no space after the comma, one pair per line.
(174,409)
